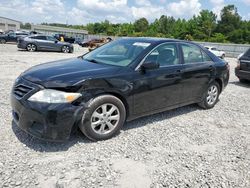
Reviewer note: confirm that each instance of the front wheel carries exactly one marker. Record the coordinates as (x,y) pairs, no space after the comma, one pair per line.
(103,118)
(211,96)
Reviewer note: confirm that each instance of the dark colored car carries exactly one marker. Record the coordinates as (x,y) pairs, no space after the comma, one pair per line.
(11,37)
(122,80)
(242,71)
(44,43)
(92,43)
(66,38)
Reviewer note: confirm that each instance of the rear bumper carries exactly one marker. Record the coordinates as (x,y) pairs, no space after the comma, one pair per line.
(242,74)
(21,45)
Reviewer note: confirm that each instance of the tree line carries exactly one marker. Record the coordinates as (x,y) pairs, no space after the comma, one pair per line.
(203,27)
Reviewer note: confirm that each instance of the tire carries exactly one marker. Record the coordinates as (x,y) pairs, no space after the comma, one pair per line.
(31,47)
(211,97)
(2,41)
(66,49)
(97,124)
(242,80)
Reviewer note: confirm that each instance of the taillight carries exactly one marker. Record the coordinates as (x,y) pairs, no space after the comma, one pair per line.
(238,64)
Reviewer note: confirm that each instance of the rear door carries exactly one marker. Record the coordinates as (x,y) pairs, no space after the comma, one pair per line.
(197,72)
(41,41)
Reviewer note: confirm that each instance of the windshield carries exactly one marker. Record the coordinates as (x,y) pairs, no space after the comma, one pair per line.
(120,52)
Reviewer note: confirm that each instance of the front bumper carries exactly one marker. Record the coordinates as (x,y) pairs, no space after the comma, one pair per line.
(71,49)
(242,74)
(52,122)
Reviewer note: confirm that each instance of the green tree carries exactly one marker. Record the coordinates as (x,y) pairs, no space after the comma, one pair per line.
(206,22)
(230,20)
(141,25)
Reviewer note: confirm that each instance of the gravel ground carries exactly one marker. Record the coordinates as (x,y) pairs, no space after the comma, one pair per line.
(186,147)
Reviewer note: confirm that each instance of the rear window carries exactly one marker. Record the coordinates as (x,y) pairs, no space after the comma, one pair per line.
(247,53)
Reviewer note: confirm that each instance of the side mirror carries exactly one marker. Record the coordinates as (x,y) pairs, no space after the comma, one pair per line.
(56,41)
(149,65)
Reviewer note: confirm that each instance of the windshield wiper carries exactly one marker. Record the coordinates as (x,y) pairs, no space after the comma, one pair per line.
(92,60)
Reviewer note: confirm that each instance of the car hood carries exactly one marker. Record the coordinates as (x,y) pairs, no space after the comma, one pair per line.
(69,72)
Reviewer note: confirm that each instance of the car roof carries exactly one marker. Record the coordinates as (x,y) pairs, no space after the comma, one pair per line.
(151,39)
(39,35)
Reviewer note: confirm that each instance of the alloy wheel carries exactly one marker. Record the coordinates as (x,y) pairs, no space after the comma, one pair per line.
(2,41)
(105,118)
(31,47)
(65,49)
(212,95)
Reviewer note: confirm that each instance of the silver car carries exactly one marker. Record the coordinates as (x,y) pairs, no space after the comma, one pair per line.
(44,43)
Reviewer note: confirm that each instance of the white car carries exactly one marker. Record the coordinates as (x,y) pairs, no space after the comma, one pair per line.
(216,52)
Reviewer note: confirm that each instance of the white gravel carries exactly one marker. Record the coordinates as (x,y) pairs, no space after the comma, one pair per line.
(186,147)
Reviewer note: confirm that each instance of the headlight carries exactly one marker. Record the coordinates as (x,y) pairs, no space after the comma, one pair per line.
(54,96)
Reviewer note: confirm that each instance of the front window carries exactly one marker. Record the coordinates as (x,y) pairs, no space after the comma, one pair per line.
(120,53)
(51,38)
(165,55)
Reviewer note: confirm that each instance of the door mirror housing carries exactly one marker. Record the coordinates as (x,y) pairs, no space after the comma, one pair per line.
(149,65)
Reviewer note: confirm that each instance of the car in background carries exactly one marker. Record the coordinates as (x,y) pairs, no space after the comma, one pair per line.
(44,43)
(94,43)
(34,33)
(66,38)
(216,52)
(121,80)
(91,42)
(242,71)
(12,36)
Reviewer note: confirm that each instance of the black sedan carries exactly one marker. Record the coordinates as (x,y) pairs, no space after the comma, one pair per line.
(242,71)
(44,43)
(120,81)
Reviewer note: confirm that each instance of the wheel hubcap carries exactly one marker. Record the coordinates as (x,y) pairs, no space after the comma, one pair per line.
(105,118)
(31,47)
(212,94)
(66,49)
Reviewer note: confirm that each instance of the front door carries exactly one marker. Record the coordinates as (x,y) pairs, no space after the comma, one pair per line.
(159,88)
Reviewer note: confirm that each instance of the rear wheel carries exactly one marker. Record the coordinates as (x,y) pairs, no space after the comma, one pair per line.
(2,41)
(31,47)
(103,118)
(211,96)
(65,49)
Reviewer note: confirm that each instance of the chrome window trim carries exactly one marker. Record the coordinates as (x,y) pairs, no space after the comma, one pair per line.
(245,61)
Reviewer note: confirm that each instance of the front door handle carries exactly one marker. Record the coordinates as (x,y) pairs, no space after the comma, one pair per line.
(211,68)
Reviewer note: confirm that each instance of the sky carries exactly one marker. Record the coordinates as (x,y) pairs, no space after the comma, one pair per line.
(116,11)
